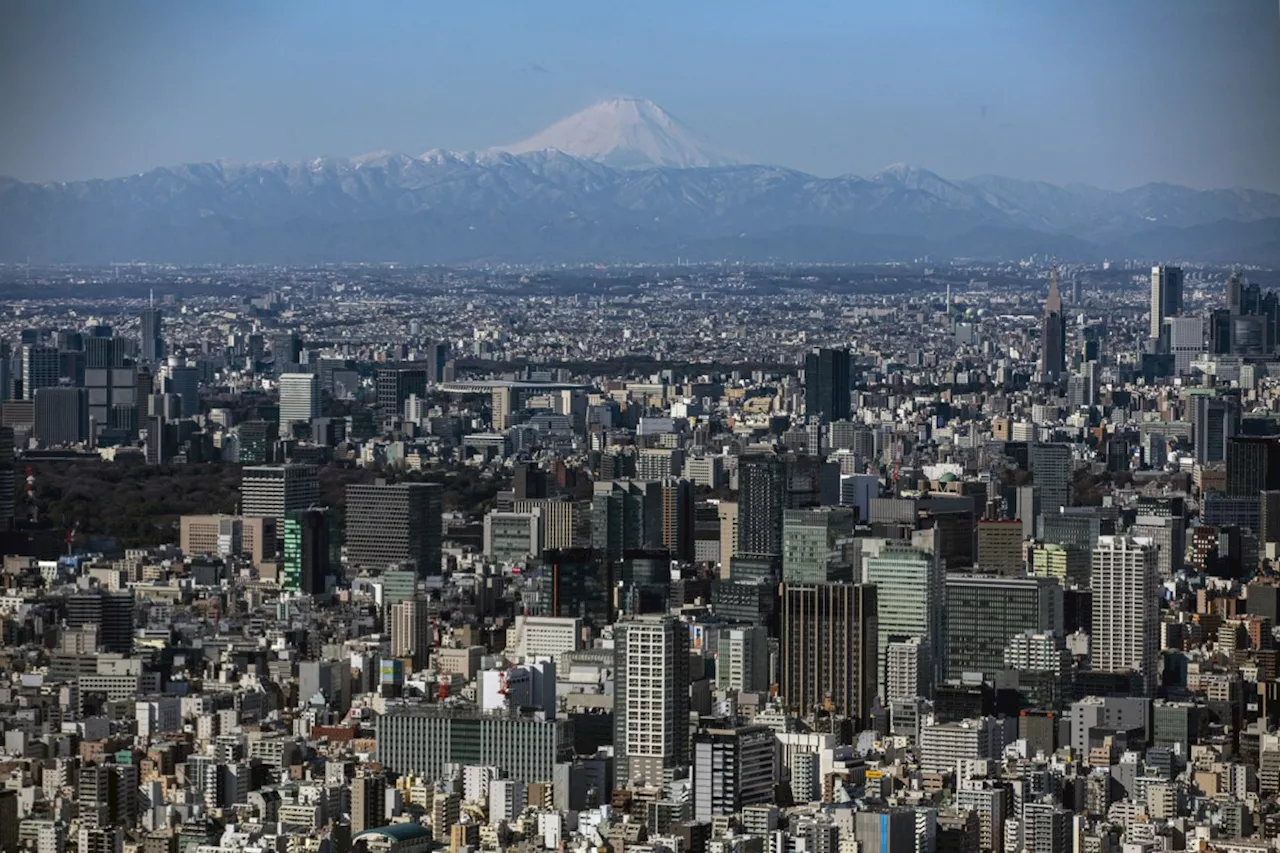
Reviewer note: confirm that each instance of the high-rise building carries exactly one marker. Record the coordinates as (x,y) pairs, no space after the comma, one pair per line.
(368,803)
(1166,296)
(1126,608)
(650,699)
(732,768)
(388,524)
(985,613)
(310,550)
(410,623)
(1216,420)
(890,830)
(61,416)
(829,648)
(1052,471)
(112,396)
(813,542)
(110,612)
(576,583)
(742,659)
(299,397)
(762,483)
(183,381)
(1046,828)
(1186,341)
(626,515)
(286,351)
(41,368)
(826,385)
(153,348)
(1000,547)
(1253,465)
(273,491)
(1053,334)
(677,517)
(8,479)
(394,385)
(911,602)
(512,537)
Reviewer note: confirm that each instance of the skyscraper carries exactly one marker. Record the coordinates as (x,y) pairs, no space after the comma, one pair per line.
(911,602)
(1126,608)
(650,699)
(310,550)
(1216,421)
(985,613)
(1166,296)
(1253,465)
(826,385)
(272,491)
(761,501)
(111,612)
(1053,334)
(830,656)
(410,624)
(812,545)
(41,368)
(576,583)
(61,415)
(299,397)
(153,348)
(396,523)
(732,768)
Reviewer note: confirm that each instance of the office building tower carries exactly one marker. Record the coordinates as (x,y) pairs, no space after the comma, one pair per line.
(368,803)
(513,537)
(829,648)
(762,487)
(645,582)
(732,768)
(1217,419)
(311,550)
(827,384)
(1126,608)
(907,668)
(437,358)
(8,479)
(985,613)
(61,416)
(273,491)
(41,368)
(1186,341)
(299,397)
(1253,465)
(650,700)
(183,382)
(576,583)
(1053,334)
(388,524)
(677,518)
(742,659)
(286,351)
(112,397)
(153,348)
(911,602)
(627,515)
(411,630)
(1169,536)
(394,386)
(1166,296)
(659,463)
(1046,828)
(890,830)
(110,612)
(528,482)
(1000,548)
(108,351)
(813,543)
(1052,471)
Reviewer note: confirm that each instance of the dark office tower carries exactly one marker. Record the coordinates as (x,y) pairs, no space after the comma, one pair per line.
(576,583)
(625,515)
(1052,471)
(286,350)
(437,357)
(529,482)
(645,582)
(1166,296)
(368,803)
(732,768)
(41,368)
(7,372)
(61,416)
(185,383)
(677,518)
(112,393)
(650,700)
(258,442)
(389,524)
(104,353)
(310,549)
(826,385)
(1053,334)
(762,487)
(71,367)
(153,348)
(1217,419)
(1235,285)
(395,384)
(829,648)
(161,443)
(1269,518)
(1253,465)
(985,613)
(145,387)
(8,479)
(111,612)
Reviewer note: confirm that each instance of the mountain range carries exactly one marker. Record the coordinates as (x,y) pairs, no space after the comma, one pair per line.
(620,181)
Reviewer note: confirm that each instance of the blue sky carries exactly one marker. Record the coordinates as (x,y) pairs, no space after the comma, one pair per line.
(1110,93)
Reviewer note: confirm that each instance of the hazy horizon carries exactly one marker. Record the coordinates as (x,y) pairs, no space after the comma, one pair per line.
(1110,95)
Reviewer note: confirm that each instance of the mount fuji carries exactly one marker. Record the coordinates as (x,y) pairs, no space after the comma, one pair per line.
(626,133)
(620,181)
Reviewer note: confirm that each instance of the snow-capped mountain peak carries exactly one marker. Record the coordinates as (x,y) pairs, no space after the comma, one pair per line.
(628,133)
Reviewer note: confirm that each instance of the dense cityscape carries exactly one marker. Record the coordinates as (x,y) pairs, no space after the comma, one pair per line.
(721,558)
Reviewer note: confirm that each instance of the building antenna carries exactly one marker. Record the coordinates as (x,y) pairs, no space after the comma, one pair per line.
(151,299)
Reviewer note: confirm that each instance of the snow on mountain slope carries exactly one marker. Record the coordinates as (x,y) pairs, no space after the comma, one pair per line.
(626,133)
